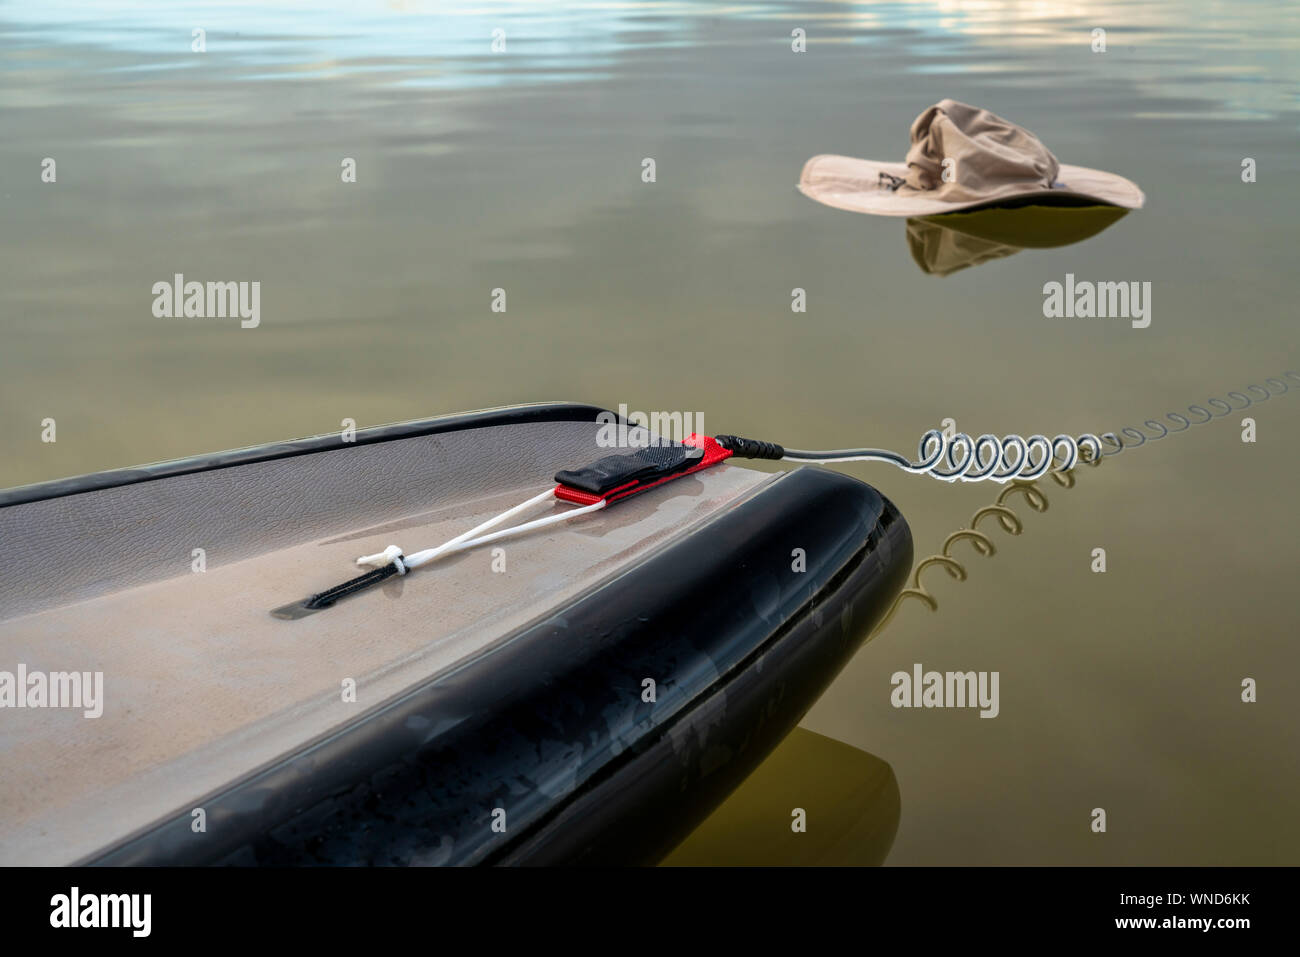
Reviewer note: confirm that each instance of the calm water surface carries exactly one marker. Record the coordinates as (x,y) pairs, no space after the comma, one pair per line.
(521,170)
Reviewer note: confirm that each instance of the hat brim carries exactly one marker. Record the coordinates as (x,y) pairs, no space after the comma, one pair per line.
(854,185)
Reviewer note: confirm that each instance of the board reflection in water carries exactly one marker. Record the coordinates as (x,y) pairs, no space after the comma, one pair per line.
(849,798)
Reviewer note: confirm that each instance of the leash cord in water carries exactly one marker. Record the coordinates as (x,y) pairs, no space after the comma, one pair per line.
(1014,457)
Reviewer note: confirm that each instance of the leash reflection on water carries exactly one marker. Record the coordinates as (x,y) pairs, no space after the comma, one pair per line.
(1129,437)
(982,544)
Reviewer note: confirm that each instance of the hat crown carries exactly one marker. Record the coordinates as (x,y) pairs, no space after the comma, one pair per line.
(988,154)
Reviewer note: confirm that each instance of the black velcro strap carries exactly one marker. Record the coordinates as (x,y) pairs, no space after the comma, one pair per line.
(643,465)
(351,586)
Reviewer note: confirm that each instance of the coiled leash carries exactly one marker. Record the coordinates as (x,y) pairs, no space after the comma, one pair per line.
(617,477)
(620,476)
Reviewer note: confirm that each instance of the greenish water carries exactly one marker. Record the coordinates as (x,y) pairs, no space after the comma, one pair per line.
(521,170)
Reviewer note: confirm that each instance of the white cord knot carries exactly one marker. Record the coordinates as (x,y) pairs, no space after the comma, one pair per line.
(392,555)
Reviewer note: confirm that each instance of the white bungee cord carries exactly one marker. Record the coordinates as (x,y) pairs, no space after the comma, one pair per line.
(393,554)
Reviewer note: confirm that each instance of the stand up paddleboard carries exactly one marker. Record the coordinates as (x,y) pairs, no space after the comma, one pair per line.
(582,693)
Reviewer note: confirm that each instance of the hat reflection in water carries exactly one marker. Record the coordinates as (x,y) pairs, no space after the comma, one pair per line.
(942,245)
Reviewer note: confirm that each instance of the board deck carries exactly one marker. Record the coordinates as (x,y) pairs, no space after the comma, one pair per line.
(206,692)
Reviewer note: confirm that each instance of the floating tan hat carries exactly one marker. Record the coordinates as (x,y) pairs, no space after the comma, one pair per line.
(992,161)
